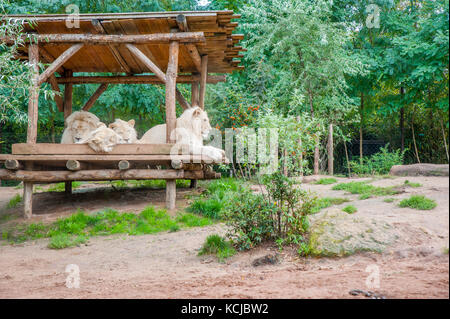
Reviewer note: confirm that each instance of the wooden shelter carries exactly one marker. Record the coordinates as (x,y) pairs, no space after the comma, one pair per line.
(149,47)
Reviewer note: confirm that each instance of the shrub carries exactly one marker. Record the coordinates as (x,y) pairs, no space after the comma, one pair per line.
(14,202)
(350,209)
(281,215)
(219,246)
(418,202)
(379,163)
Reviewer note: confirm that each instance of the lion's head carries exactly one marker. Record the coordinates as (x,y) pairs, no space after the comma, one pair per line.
(196,121)
(125,130)
(103,139)
(79,125)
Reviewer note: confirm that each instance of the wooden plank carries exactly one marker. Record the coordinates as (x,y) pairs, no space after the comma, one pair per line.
(59,62)
(102,88)
(33,102)
(105,39)
(96,175)
(171,87)
(117,56)
(83,149)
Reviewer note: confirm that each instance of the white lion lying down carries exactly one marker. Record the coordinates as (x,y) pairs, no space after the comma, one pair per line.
(125,130)
(79,126)
(191,128)
(102,139)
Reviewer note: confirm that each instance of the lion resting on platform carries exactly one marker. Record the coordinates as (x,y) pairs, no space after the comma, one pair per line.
(102,139)
(125,130)
(79,126)
(192,127)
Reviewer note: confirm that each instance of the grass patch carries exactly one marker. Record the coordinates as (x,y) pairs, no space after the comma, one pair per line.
(408,183)
(364,189)
(64,240)
(14,202)
(192,220)
(350,209)
(60,187)
(389,200)
(219,246)
(418,202)
(218,192)
(325,202)
(76,229)
(326,181)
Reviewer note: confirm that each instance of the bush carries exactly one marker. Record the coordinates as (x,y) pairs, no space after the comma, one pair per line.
(217,245)
(418,202)
(281,215)
(379,163)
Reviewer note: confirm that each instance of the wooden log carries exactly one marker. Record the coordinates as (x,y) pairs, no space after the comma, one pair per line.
(99,175)
(203,76)
(59,62)
(171,88)
(55,87)
(194,93)
(68,90)
(123,165)
(195,56)
(73,165)
(13,164)
(147,62)
(28,199)
(117,56)
(180,98)
(137,79)
(33,102)
(171,194)
(171,75)
(177,164)
(102,88)
(105,39)
(83,149)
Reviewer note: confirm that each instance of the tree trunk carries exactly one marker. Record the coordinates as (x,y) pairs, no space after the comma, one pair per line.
(330,151)
(402,121)
(443,136)
(414,138)
(316,148)
(361,114)
(346,157)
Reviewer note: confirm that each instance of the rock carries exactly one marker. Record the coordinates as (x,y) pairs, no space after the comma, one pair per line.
(420,170)
(336,233)
(266,260)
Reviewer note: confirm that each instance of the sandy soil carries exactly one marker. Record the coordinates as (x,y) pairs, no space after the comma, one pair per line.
(167,266)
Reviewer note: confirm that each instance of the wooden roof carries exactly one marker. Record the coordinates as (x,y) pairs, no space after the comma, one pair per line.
(221,45)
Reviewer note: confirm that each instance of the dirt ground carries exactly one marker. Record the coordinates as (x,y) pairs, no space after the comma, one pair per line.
(166,265)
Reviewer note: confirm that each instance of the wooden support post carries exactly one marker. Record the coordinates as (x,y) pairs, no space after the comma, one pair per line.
(171,86)
(33,104)
(102,88)
(203,76)
(68,96)
(330,151)
(194,93)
